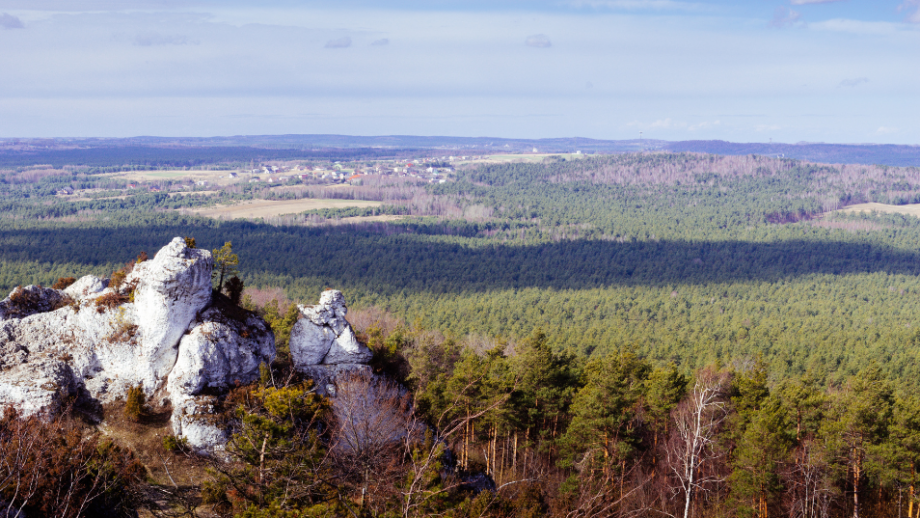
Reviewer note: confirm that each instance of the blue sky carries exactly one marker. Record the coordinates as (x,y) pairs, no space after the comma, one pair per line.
(788,70)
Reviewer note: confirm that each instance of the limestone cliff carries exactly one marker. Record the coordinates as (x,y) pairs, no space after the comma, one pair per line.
(159,329)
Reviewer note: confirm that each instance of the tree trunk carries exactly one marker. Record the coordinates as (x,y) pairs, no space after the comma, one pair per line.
(857,471)
(910,501)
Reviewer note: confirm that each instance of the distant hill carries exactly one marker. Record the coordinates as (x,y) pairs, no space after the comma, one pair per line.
(21,151)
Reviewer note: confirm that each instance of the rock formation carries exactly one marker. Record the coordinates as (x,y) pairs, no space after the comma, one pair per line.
(324,337)
(158,329)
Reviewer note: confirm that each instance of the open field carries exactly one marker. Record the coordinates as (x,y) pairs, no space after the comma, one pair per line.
(912,210)
(526,158)
(213,177)
(267,208)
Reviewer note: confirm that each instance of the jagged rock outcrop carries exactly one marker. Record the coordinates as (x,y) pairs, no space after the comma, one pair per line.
(324,337)
(86,287)
(39,388)
(222,351)
(171,290)
(30,300)
(159,329)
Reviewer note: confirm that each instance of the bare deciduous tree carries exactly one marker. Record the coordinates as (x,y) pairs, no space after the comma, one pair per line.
(697,421)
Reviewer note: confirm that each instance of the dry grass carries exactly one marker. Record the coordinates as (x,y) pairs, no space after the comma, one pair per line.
(270,208)
(145,438)
(911,210)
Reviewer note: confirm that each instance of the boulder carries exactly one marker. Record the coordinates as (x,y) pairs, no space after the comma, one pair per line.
(323,337)
(224,349)
(220,353)
(195,419)
(86,286)
(39,388)
(170,291)
(23,302)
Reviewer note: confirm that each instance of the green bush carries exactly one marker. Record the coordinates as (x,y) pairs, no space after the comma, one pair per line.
(136,404)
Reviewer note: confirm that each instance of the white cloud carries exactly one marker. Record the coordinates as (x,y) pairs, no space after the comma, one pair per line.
(339,43)
(381,42)
(853,82)
(148,39)
(886,131)
(784,17)
(913,9)
(704,125)
(540,41)
(634,5)
(8,21)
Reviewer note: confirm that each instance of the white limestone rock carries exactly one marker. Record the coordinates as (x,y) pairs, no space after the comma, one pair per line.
(170,291)
(195,419)
(97,346)
(39,388)
(220,353)
(173,340)
(23,302)
(310,343)
(86,286)
(324,337)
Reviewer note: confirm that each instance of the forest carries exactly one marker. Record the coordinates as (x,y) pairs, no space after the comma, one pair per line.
(647,334)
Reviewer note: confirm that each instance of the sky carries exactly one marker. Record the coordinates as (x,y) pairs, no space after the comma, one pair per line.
(842,71)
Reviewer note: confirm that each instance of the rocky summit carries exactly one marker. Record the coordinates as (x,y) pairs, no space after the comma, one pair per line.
(159,327)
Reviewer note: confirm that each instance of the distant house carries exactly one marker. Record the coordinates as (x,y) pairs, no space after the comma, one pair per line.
(305,176)
(154,189)
(253,180)
(201,183)
(231,175)
(66,191)
(355,179)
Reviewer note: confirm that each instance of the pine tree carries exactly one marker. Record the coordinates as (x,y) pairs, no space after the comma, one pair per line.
(225,263)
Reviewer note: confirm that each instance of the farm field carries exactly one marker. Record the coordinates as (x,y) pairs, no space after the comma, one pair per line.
(219,177)
(911,210)
(523,158)
(269,208)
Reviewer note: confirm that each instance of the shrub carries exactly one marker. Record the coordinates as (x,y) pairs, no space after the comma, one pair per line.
(53,468)
(190,242)
(110,301)
(142,257)
(63,283)
(136,404)
(174,444)
(117,279)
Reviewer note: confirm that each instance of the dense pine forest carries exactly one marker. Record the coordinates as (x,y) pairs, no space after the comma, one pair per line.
(650,334)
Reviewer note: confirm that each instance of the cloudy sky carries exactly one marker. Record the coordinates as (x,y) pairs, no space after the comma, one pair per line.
(745,71)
